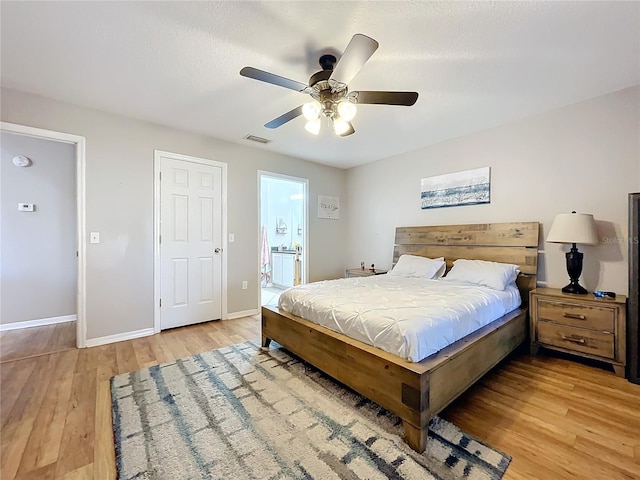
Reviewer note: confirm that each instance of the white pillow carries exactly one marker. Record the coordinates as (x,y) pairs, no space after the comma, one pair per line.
(412,266)
(481,272)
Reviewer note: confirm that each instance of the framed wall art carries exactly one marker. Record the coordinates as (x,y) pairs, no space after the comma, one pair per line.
(328,207)
(460,188)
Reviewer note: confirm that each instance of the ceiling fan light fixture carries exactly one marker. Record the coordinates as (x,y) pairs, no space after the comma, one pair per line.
(347,110)
(340,126)
(329,89)
(313,126)
(311,110)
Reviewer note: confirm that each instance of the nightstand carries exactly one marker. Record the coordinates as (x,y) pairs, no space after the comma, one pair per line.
(580,325)
(358,272)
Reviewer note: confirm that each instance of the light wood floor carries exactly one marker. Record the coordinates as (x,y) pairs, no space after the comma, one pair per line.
(557,418)
(31,342)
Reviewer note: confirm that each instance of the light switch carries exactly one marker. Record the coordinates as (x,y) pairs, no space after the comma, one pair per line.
(25,207)
(95,237)
(232,238)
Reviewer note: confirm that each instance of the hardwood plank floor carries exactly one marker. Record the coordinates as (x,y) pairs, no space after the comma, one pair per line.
(559,419)
(35,341)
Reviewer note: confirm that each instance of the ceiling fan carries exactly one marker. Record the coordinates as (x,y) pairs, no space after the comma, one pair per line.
(329,90)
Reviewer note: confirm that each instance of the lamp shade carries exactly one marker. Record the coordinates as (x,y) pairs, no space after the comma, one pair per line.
(311,110)
(573,228)
(340,126)
(313,126)
(347,110)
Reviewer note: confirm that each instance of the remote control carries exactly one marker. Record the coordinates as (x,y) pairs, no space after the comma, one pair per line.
(603,294)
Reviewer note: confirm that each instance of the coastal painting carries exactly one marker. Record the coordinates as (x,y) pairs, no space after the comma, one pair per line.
(460,188)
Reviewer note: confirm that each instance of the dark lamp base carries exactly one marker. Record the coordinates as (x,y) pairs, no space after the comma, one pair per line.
(575,288)
(574,269)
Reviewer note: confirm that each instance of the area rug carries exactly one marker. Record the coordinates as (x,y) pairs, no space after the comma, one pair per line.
(243,413)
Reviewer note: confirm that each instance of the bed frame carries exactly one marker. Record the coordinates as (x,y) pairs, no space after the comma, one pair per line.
(418,391)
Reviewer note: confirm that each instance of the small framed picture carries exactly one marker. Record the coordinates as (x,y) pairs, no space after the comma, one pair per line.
(328,207)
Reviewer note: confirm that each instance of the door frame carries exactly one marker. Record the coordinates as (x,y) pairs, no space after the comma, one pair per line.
(305,212)
(81,233)
(157,154)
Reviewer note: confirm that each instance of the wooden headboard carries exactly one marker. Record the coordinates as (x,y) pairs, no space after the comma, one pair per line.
(515,243)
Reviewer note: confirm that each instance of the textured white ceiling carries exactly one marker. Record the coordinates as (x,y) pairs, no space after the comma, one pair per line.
(474,64)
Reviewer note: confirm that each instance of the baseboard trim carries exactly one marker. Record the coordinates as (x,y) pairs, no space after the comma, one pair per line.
(40,322)
(245,313)
(119,337)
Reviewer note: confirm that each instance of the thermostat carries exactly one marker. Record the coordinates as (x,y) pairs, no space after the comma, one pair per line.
(26,207)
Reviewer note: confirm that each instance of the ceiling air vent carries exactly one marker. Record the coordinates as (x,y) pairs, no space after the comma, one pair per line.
(253,138)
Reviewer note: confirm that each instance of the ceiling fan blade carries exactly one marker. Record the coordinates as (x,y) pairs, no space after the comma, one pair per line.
(387,98)
(282,119)
(350,131)
(267,77)
(356,54)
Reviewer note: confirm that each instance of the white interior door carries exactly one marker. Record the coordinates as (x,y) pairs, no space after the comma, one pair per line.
(190,243)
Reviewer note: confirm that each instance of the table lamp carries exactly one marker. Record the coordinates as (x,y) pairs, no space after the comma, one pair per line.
(574,228)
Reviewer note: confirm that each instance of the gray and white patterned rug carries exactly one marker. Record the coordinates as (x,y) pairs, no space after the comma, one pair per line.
(242,413)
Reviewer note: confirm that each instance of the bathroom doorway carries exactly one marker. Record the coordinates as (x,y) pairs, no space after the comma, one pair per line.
(283,234)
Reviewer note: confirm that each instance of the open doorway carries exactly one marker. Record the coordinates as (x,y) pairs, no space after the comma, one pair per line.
(49,187)
(283,234)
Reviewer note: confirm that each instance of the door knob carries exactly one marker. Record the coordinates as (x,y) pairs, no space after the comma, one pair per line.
(218,250)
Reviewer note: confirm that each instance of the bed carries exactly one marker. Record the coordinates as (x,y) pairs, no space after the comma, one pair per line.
(416,391)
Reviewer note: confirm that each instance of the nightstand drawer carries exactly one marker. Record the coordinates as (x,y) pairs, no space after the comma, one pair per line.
(576,339)
(583,316)
(579,324)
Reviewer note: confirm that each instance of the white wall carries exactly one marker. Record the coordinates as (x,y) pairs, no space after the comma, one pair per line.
(38,267)
(119,205)
(584,157)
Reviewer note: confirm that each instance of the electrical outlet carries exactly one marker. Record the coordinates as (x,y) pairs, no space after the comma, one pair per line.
(244,284)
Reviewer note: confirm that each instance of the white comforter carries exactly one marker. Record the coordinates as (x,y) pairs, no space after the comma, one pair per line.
(409,317)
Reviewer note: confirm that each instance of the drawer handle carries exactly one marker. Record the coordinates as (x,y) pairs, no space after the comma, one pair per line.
(579,341)
(575,316)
